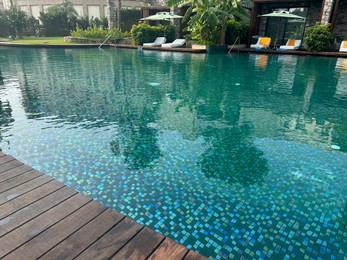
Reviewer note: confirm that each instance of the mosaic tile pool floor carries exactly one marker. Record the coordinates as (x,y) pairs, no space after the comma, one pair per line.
(233,165)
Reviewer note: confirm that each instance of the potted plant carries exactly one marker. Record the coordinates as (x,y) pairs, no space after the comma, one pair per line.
(207,20)
(318,38)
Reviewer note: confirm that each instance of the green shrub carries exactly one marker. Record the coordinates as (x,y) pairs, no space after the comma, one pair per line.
(235,29)
(318,38)
(90,32)
(143,32)
(83,22)
(95,32)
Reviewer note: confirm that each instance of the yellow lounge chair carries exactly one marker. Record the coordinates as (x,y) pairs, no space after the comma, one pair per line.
(291,44)
(263,42)
(343,46)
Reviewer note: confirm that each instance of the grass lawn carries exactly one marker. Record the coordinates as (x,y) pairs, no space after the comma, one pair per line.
(42,40)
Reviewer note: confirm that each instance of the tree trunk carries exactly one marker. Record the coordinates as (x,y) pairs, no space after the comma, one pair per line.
(111,15)
(176,22)
(221,36)
(119,14)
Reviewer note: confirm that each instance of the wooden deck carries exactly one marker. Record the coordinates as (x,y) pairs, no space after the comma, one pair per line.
(188,50)
(42,218)
(335,54)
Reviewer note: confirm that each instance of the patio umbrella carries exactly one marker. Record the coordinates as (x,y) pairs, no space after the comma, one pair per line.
(162,16)
(282,15)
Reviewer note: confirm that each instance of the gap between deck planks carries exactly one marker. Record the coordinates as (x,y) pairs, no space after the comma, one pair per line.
(41,218)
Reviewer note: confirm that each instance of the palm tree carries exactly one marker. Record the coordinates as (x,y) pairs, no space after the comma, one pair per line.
(207,19)
(69,9)
(119,14)
(111,13)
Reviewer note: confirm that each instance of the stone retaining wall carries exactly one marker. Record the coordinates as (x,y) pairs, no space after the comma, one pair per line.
(96,40)
(341,21)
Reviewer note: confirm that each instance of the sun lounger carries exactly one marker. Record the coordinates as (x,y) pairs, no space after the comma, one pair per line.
(343,46)
(291,44)
(158,42)
(174,44)
(263,42)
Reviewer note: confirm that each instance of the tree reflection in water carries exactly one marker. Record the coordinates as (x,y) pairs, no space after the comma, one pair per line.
(232,157)
(140,147)
(5,115)
(137,141)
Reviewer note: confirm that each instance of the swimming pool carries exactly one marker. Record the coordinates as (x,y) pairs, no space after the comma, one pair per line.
(229,155)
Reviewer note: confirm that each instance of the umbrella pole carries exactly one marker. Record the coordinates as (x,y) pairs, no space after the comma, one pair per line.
(278,28)
(284,28)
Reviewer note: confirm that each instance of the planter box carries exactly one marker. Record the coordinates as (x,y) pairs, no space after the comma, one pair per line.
(95,40)
(211,48)
(238,46)
(82,40)
(217,48)
(198,47)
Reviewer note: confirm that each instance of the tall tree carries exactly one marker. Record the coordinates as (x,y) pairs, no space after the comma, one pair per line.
(59,19)
(111,15)
(69,9)
(15,21)
(119,14)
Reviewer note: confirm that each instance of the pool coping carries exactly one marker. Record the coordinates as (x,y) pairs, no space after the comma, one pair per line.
(188,50)
(42,45)
(125,46)
(291,52)
(185,50)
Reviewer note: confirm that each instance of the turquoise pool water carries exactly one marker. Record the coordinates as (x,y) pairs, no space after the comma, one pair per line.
(229,155)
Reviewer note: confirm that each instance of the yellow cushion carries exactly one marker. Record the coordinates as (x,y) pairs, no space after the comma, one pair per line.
(345,44)
(291,43)
(264,41)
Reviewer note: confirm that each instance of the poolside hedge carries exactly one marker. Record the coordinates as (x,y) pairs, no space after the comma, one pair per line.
(143,32)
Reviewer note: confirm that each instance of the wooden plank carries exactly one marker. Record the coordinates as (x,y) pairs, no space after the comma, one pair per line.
(55,234)
(23,188)
(169,249)
(112,241)
(29,230)
(14,172)
(16,203)
(83,238)
(1,153)
(9,165)
(141,246)
(18,180)
(194,256)
(28,213)
(5,159)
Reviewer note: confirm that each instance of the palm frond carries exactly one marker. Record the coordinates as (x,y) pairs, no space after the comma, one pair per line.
(179,3)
